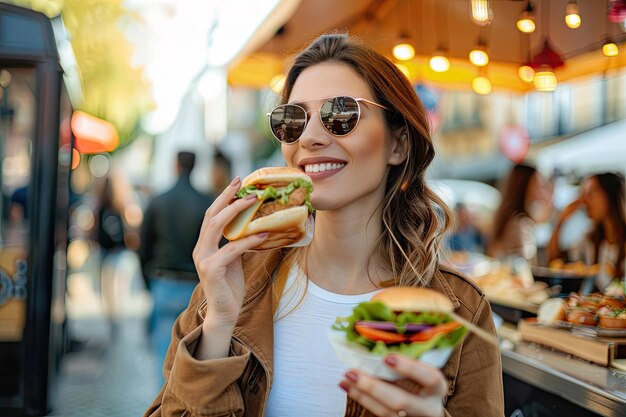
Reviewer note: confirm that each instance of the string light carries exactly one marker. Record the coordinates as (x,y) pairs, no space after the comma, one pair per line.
(526,22)
(545,80)
(526,73)
(572,16)
(610,49)
(479,57)
(482,15)
(439,63)
(481,85)
(278,82)
(404,50)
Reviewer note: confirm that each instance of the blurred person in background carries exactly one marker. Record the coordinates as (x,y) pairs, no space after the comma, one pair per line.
(466,236)
(602,199)
(169,231)
(220,172)
(242,348)
(526,200)
(111,238)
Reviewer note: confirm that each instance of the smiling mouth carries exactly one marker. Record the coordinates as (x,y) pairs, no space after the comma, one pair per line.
(328,166)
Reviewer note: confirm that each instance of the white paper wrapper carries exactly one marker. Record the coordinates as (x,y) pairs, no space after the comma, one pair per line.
(308,234)
(356,356)
(306,239)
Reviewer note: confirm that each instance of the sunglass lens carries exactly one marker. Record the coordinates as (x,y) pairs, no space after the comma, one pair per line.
(287,122)
(340,115)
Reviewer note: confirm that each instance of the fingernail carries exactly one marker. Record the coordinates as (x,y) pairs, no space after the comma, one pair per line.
(352,376)
(235,181)
(344,386)
(391,360)
(250,197)
(263,234)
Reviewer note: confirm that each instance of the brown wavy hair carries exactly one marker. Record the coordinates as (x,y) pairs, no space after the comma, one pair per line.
(414,218)
(513,201)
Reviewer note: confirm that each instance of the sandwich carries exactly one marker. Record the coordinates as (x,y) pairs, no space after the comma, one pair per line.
(414,322)
(282,207)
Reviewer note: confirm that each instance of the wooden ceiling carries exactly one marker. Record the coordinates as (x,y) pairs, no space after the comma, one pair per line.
(432,24)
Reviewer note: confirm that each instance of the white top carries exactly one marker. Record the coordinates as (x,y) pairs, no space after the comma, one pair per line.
(306,371)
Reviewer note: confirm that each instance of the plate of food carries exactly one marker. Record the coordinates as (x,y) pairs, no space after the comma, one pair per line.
(572,277)
(590,315)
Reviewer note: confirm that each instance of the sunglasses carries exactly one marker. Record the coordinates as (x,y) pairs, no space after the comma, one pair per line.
(339,116)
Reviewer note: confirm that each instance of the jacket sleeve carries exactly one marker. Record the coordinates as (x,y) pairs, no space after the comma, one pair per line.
(478,386)
(194,387)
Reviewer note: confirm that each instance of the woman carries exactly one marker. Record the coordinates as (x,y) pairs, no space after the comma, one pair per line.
(526,200)
(602,196)
(376,226)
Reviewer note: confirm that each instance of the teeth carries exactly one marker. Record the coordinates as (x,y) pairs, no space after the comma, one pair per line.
(323,167)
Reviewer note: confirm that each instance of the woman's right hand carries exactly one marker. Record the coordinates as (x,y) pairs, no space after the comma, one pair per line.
(571,208)
(220,269)
(552,249)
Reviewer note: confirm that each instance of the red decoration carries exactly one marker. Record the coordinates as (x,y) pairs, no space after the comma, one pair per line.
(514,143)
(548,57)
(617,11)
(93,135)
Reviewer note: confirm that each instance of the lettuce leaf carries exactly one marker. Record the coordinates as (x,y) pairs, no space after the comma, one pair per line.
(377,311)
(281,194)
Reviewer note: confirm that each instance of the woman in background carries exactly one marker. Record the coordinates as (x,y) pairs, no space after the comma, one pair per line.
(602,197)
(526,200)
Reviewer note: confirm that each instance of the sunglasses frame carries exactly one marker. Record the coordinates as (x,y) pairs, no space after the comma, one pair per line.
(358,101)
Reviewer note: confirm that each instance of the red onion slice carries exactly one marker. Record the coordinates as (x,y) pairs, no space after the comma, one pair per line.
(391,327)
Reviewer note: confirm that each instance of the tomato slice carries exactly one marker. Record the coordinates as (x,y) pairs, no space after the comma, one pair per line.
(428,334)
(275,185)
(376,335)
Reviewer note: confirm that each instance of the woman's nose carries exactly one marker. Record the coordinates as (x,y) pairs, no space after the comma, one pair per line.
(314,134)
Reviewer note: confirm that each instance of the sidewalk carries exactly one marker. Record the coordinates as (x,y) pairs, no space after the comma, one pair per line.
(101,379)
(110,370)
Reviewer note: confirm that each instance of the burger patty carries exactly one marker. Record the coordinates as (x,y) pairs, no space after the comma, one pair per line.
(296,198)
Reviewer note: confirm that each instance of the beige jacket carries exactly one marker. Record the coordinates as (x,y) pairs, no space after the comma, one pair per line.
(239,384)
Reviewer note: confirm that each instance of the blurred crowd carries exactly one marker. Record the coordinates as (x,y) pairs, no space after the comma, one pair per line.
(554,222)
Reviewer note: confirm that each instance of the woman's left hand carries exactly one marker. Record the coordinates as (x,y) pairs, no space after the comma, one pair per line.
(385,399)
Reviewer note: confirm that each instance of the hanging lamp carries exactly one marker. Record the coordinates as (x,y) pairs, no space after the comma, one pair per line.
(572,15)
(526,21)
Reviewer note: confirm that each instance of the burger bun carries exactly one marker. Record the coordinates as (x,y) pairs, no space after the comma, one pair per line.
(414,299)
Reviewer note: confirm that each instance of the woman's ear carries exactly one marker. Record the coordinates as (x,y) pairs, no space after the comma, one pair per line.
(400,147)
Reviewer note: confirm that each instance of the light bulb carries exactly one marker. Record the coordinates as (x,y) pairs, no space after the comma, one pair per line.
(526,24)
(404,51)
(572,16)
(481,85)
(573,21)
(479,57)
(278,82)
(545,80)
(439,63)
(481,14)
(526,73)
(610,49)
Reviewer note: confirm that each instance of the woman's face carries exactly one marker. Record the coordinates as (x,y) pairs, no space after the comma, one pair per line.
(358,162)
(595,199)
(539,198)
